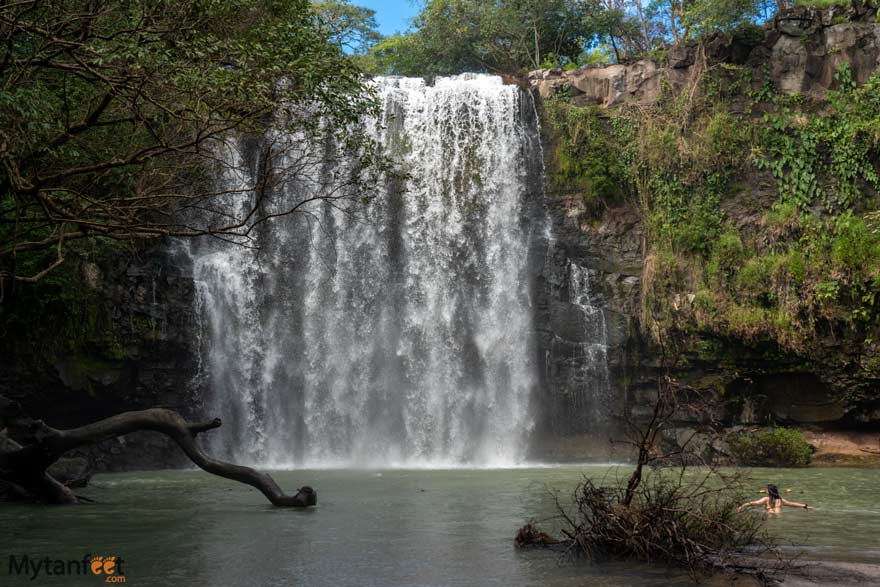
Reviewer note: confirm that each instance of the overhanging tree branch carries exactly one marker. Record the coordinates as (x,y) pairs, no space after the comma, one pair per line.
(114,118)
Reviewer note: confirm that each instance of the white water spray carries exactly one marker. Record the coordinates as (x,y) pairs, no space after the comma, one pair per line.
(400,336)
(592,373)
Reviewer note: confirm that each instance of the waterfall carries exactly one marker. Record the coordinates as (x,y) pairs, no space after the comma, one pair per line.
(397,334)
(591,358)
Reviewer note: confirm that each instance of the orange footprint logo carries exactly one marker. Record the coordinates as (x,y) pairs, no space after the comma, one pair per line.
(103,564)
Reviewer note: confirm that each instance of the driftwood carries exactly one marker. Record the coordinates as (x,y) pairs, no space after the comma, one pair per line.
(28,447)
(529,535)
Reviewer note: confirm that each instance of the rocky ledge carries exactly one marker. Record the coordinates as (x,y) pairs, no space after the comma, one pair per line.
(800,49)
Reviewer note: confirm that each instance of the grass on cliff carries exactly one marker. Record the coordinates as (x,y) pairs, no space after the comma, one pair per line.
(762,223)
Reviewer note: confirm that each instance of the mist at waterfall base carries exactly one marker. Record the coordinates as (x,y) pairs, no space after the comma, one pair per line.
(396,334)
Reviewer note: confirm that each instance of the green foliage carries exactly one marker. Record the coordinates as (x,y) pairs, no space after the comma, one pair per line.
(855,247)
(812,257)
(689,165)
(827,290)
(111,116)
(585,151)
(399,54)
(727,256)
(512,36)
(822,3)
(748,323)
(704,16)
(782,216)
(754,279)
(748,33)
(352,27)
(798,146)
(809,263)
(774,447)
(794,264)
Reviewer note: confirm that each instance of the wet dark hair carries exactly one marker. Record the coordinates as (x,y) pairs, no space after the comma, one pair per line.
(773,492)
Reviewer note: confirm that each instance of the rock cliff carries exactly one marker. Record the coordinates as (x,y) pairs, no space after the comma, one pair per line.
(798,54)
(122,340)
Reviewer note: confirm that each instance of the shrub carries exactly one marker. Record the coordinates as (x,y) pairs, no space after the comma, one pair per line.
(782,216)
(728,255)
(747,322)
(678,521)
(794,265)
(748,33)
(774,447)
(585,152)
(704,302)
(661,149)
(855,246)
(755,277)
(826,291)
(723,141)
(822,3)
(695,234)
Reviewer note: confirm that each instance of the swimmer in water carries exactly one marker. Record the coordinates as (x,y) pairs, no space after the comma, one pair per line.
(773,502)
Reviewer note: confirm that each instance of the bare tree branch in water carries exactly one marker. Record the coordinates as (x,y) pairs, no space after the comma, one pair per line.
(29,447)
(674,508)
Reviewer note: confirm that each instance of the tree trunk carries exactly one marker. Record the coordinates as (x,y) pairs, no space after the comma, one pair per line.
(614,46)
(672,25)
(28,447)
(537,48)
(644,21)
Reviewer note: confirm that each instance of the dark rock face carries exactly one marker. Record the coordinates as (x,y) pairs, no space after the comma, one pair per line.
(756,385)
(147,305)
(785,397)
(804,60)
(586,357)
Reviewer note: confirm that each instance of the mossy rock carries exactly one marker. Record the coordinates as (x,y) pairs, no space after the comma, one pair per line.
(82,372)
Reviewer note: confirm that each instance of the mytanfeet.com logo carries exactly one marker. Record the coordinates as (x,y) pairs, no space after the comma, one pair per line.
(110,568)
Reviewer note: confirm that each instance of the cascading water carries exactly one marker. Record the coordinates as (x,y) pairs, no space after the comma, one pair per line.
(401,335)
(591,373)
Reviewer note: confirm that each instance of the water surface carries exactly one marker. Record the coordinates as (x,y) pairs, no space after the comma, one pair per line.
(398,527)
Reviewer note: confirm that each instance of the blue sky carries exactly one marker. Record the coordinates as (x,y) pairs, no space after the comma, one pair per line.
(392,15)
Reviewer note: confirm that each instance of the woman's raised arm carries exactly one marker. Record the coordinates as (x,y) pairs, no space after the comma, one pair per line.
(761,501)
(794,504)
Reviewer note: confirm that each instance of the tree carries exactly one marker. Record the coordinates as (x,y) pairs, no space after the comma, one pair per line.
(501,36)
(686,19)
(28,447)
(400,54)
(113,114)
(613,22)
(352,27)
